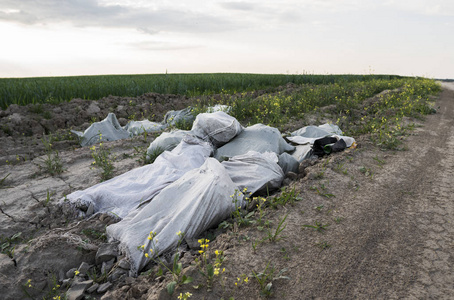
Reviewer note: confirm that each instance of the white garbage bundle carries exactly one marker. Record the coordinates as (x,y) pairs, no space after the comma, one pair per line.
(173,117)
(308,135)
(186,190)
(126,192)
(256,172)
(201,199)
(167,141)
(218,127)
(139,127)
(106,130)
(259,138)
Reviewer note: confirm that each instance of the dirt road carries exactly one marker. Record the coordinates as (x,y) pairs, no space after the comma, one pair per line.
(398,237)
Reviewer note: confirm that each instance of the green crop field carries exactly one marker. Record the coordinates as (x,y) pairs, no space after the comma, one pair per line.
(23,91)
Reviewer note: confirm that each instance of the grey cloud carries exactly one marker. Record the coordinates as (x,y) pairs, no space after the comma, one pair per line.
(90,13)
(161,46)
(244,6)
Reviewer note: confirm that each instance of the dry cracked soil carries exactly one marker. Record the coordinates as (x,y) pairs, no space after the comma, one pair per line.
(388,216)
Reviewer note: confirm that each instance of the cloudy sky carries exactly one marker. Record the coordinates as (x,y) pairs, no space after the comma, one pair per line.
(90,37)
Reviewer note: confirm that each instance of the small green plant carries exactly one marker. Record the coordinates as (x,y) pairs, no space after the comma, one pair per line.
(338,219)
(175,269)
(286,196)
(7,244)
(366,171)
(47,115)
(150,158)
(51,163)
(48,198)
(240,215)
(340,168)
(317,226)
(285,253)
(207,269)
(265,279)
(273,236)
(184,296)
(54,291)
(142,154)
(101,157)
(379,161)
(95,234)
(321,191)
(319,208)
(3,182)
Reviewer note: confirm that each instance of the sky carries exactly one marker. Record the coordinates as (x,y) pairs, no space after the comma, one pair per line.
(96,37)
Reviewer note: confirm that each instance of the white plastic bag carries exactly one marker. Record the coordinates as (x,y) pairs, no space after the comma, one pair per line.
(259,138)
(166,142)
(217,127)
(123,193)
(194,203)
(256,172)
(139,127)
(106,130)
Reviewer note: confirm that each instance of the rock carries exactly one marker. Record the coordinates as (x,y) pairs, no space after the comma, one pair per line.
(93,288)
(107,266)
(117,274)
(286,182)
(104,287)
(106,252)
(65,283)
(90,210)
(93,109)
(83,268)
(35,220)
(76,291)
(291,175)
(124,264)
(192,243)
(70,273)
(15,118)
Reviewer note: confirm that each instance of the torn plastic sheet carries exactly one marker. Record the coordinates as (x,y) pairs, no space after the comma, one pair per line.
(194,203)
(126,192)
(257,172)
(259,138)
(106,130)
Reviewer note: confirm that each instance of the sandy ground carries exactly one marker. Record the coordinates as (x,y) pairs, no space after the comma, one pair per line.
(390,233)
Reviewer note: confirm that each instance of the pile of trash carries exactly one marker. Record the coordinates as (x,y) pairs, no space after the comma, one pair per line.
(197,181)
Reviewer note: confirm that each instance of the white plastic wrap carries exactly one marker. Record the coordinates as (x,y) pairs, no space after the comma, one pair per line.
(255,171)
(217,127)
(259,138)
(123,193)
(106,130)
(194,203)
(166,141)
(139,127)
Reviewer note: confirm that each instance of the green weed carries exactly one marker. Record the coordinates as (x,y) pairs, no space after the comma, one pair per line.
(51,163)
(273,236)
(317,226)
(102,159)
